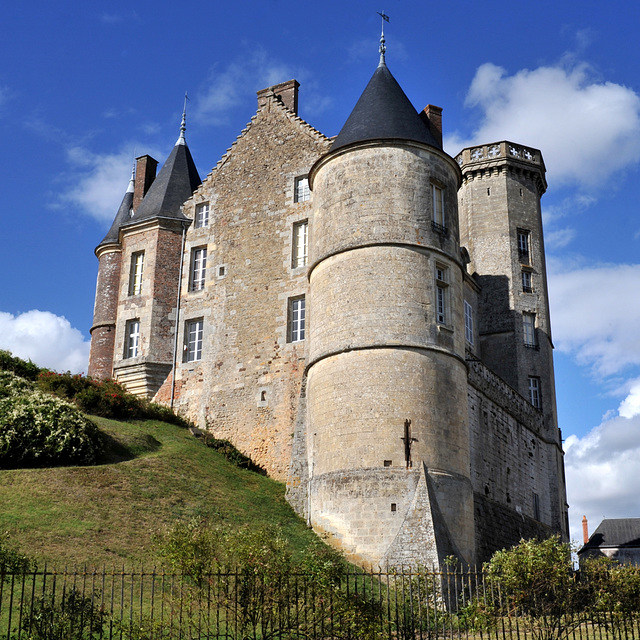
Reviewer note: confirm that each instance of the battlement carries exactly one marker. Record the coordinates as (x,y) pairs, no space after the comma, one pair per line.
(496,151)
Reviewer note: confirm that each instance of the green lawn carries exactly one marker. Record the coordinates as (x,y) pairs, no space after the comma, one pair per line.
(155,473)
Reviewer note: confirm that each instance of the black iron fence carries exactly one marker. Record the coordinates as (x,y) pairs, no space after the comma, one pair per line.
(237,605)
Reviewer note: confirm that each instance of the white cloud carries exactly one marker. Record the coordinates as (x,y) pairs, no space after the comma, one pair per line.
(46,339)
(630,406)
(602,473)
(586,129)
(595,315)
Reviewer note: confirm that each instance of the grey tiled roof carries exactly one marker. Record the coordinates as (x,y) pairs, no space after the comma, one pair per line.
(122,217)
(384,112)
(615,532)
(175,183)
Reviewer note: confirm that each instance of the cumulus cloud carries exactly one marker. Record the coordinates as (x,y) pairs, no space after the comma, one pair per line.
(630,406)
(595,315)
(602,472)
(586,128)
(46,339)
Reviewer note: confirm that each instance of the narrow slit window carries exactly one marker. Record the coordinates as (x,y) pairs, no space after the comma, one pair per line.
(300,244)
(135,278)
(198,269)
(132,348)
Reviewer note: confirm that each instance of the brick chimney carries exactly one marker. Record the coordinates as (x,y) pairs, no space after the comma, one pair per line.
(432,117)
(287,92)
(145,174)
(585,529)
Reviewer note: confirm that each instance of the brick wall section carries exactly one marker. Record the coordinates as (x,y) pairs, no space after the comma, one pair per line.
(252,211)
(105,313)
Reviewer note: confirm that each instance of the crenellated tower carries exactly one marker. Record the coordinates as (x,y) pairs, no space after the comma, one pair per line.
(387,435)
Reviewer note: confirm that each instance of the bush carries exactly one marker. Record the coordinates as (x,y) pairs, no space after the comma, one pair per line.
(12,385)
(232,454)
(39,430)
(18,366)
(12,560)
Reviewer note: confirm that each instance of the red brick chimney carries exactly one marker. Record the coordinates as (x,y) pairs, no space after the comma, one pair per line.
(286,91)
(585,529)
(145,174)
(432,117)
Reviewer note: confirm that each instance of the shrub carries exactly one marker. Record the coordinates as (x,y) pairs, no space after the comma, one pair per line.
(12,560)
(12,385)
(20,367)
(232,454)
(38,430)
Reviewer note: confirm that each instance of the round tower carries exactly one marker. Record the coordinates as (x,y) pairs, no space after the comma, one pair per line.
(105,311)
(388,442)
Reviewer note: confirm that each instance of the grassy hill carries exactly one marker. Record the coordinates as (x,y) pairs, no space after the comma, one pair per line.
(155,473)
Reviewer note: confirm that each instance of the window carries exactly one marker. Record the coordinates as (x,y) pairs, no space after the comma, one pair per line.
(135,277)
(468,322)
(193,340)
(526,282)
(202,215)
(523,246)
(300,244)
(302,193)
(198,269)
(441,295)
(439,222)
(296,319)
(536,506)
(132,347)
(534,392)
(529,328)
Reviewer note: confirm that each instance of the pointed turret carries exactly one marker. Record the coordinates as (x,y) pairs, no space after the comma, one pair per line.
(175,183)
(384,112)
(125,212)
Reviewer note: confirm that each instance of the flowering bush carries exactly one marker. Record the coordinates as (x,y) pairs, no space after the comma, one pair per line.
(39,430)
(12,385)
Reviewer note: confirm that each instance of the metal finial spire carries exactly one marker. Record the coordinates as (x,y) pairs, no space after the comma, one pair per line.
(183,125)
(383,48)
(132,182)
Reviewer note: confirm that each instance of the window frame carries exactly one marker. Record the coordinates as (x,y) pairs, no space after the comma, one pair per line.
(136,273)
(439,217)
(441,290)
(527,281)
(201,217)
(193,339)
(198,268)
(132,339)
(523,242)
(535,395)
(300,244)
(296,319)
(301,190)
(468,323)
(529,330)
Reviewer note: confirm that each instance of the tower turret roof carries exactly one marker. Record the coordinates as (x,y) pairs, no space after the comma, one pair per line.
(123,215)
(384,112)
(175,184)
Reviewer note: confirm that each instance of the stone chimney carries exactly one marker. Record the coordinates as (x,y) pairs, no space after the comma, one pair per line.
(585,529)
(287,92)
(432,117)
(145,174)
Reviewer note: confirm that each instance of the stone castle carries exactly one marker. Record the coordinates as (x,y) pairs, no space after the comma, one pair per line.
(365,316)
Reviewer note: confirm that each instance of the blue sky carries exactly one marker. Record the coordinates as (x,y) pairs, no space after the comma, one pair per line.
(86,87)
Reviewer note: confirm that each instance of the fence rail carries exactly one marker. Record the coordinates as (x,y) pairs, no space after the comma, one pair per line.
(236,605)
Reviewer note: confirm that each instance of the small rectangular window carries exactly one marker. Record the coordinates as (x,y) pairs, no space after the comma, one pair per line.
(526,282)
(302,193)
(534,392)
(198,269)
(529,329)
(193,340)
(135,277)
(536,506)
(468,322)
(132,346)
(202,215)
(296,319)
(439,222)
(441,295)
(523,246)
(300,244)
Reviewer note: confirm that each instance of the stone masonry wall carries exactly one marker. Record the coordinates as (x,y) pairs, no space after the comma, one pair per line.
(247,386)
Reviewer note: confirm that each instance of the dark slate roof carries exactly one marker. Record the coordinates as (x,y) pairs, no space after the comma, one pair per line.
(122,217)
(384,112)
(175,183)
(616,533)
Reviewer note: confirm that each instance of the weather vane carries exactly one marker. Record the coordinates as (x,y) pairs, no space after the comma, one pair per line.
(383,48)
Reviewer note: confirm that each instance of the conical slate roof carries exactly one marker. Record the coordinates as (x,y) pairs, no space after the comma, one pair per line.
(383,112)
(123,215)
(175,183)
